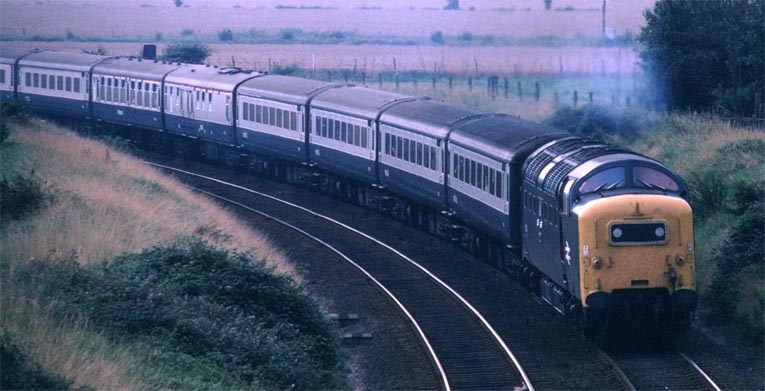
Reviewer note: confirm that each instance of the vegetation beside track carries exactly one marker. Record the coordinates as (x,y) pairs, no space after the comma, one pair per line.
(100,292)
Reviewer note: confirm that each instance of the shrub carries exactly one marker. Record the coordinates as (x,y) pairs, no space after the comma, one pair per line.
(5,131)
(187,32)
(466,36)
(207,303)
(288,34)
(597,122)
(709,190)
(190,53)
(226,35)
(21,196)
(19,372)
(437,38)
(736,291)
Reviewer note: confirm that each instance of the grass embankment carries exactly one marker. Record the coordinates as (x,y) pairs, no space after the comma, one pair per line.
(100,291)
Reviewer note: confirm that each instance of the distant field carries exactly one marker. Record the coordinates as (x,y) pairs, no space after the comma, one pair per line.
(397,17)
(503,61)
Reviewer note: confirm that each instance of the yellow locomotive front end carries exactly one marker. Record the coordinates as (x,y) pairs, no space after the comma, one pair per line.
(637,264)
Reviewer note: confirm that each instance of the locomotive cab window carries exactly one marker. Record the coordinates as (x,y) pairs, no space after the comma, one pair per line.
(653,179)
(609,179)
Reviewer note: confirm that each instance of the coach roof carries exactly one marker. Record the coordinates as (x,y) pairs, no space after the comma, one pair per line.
(284,89)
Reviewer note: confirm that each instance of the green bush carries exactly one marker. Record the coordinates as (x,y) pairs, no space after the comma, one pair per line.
(207,303)
(21,196)
(736,292)
(189,53)
(598,122)
(709,191)
(19,372)
(226,35)
(437,38)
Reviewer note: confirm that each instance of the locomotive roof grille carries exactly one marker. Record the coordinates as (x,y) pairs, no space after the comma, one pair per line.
(559,172)
(549,154)
(556,175)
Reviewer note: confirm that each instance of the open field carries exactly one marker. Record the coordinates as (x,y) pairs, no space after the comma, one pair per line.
(146,17)
(501,61)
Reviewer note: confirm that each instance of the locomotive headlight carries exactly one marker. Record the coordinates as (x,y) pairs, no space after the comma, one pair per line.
(618,233)
(597,263)
(659,232)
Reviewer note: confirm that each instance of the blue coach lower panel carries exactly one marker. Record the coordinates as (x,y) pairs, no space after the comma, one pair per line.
(272,145)
(204,130)
(125,115)
(347,165)
(57,105)
(413,186)
(481,215)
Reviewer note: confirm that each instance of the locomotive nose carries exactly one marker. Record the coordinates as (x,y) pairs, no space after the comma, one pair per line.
(634,244)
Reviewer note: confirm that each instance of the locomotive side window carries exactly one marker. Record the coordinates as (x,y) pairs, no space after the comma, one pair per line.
(653,179)
(605,180)
(2,76)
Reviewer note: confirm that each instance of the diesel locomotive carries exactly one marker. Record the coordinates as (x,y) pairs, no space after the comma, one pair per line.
(604,235)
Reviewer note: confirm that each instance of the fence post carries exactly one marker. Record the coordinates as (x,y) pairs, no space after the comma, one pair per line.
(507,89)
(414,78)
(536,91)
(520,90)
(396,77)
(379,78)
(576,98)
(364,78)
(329,75)
(470,84)
(434,84)
(450,83)
(556,99)
(590,96)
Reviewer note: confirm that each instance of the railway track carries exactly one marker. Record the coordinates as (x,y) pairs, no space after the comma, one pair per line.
(464,349)
(658,371)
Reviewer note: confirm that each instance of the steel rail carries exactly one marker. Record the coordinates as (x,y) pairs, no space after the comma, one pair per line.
(527,382)
(708,380)
(618,371)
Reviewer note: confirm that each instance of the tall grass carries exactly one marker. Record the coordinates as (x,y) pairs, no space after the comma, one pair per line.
(102,204)
(108,203)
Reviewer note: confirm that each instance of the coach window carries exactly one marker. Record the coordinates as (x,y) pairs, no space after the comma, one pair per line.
(76,84)
(68,83)
(28,79)
(228,108)
(293,121)
(245,111)
(36,80)
(286,119)
(337,130)
(271,116)
(2,76)
(43,81)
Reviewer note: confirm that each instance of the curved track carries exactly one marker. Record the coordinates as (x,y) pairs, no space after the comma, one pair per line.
(467,349)
(659,371)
